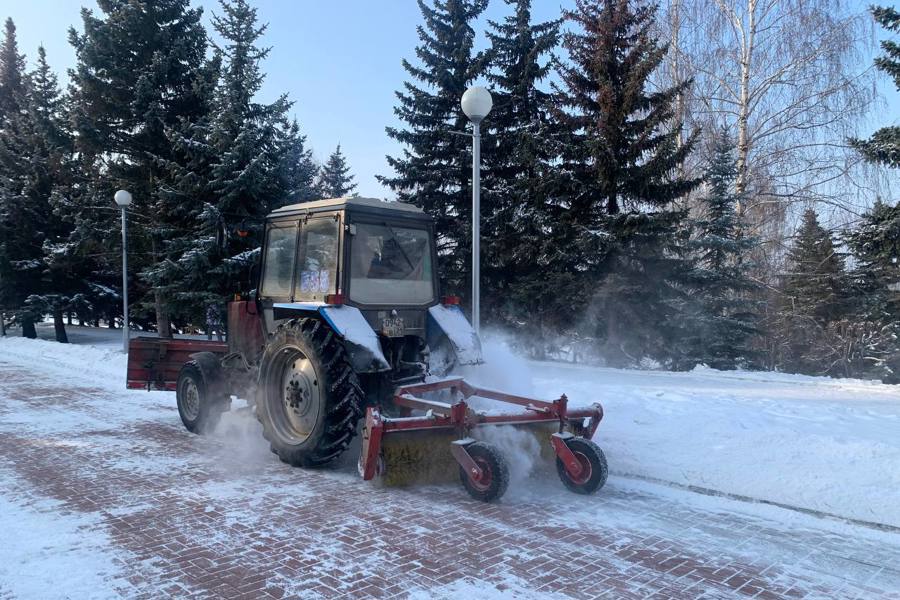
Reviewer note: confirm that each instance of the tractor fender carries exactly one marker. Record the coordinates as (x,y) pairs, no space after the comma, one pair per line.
(451,322)
(360,340)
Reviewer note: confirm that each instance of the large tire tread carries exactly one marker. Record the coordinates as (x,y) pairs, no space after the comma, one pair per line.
(342,383)
(212,402)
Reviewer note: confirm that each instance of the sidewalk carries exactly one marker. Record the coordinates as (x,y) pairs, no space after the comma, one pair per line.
(109,497)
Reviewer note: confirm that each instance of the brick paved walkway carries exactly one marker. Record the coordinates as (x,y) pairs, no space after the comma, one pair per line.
(179,515)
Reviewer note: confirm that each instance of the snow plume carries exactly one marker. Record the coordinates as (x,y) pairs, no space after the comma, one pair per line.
(502,369)
(241,435)
(506,371)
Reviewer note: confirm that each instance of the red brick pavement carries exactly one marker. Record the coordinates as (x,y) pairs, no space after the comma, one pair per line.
(220,517)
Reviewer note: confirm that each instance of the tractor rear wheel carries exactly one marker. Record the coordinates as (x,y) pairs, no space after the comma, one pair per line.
(309,398)
(198,404)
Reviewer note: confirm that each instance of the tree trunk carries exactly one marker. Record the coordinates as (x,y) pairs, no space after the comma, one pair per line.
(743,141)
(28,329)
(163,328)
(69,317)
(59,326)
(2,324)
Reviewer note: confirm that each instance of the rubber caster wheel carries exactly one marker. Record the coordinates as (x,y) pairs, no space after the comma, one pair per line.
(494,473)
(594,470)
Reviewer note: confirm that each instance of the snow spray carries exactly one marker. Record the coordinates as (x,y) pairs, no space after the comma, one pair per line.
(241,436)
(519,447)
(502,369)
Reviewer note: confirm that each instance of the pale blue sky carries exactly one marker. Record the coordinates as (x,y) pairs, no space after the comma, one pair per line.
(339,60)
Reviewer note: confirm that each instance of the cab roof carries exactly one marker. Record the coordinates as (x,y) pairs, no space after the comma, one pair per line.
(353,204)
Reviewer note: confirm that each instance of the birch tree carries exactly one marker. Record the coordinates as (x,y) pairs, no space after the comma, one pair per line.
(790,78)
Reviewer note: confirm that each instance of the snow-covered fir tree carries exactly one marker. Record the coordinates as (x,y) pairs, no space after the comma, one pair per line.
(135,78)
(298,170)
(434,169)
(49,147)
(241,160)
(724,317)
(35,150)
(884,145)
(518,153)
(620,177)
(335,179)
(814,296)
(875,246)
(21,235)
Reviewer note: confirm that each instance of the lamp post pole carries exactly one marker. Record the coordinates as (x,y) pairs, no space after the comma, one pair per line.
(123,199)
(124,285)
(476,104)
(476,227)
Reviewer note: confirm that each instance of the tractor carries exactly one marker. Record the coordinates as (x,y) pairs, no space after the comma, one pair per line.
(346,334)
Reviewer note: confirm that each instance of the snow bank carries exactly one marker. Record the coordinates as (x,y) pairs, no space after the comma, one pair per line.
(829,445)
(101,364)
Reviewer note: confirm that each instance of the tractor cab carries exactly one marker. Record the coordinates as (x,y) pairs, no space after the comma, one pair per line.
(368,268)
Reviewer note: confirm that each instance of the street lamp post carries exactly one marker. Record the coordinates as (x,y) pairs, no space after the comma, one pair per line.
(476,104)
(123,199)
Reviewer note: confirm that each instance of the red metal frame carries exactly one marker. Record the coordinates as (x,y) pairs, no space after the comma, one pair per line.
(154,363)
(457,415)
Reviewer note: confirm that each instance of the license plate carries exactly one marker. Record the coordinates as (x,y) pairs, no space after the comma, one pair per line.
(392,327)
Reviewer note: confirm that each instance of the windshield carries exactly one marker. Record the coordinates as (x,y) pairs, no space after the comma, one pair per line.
(390,265)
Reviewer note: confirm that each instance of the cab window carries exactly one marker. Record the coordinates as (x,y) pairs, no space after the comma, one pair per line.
(281,245)
(317,259)
(391,265)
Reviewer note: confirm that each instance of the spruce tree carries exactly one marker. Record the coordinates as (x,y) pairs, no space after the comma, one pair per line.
(335,180)
(723,320)
(22,219)
(875,246)
(518,154)
(884,145)
(49,151)
(297,170)
(135,78)
(814,297)
(35,153)
(12,72)
(434,169)
(232,167)
(620,178)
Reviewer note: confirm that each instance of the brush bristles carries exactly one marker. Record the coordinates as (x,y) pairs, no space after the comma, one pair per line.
(418,457)
(423,457)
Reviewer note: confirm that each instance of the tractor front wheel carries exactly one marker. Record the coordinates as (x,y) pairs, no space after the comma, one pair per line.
(594,470)
(309,396)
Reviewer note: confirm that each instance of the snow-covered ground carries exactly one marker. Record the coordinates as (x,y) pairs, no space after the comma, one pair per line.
(828,445)
(817,444)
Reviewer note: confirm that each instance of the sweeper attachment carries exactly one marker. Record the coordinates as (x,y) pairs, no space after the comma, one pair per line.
(346,322)
(482,467)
